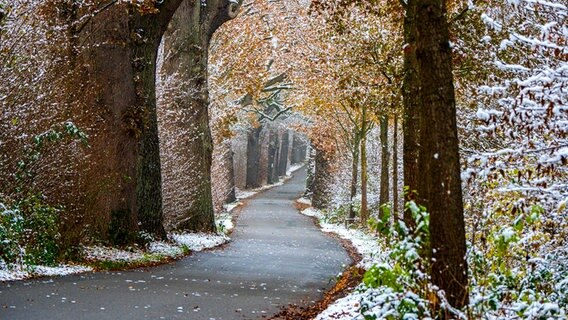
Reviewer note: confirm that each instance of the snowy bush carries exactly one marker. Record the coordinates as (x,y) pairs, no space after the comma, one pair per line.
(29,225)
(29,232)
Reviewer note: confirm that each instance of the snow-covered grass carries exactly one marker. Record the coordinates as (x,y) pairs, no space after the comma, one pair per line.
(199,241)
(19,273)
(179,244)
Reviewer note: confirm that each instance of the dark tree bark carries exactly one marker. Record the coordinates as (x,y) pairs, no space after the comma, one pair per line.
(303,152)
(186,45)
(320,184)
(439,188)
(384,191)
(118,57)
(284,154)
(411,105)
(228,162)
(299,148)
(273,149)
(253,158)
(354,176)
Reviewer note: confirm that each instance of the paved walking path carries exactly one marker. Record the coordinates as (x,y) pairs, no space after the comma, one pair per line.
(277,257)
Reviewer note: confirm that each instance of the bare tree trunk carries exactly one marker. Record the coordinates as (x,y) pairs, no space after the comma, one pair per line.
(320,186)
(253,158)
(273,147)
(228,162)
(222,174)
(186,47)
(299,148)
(439,188)
(354,174)
(364,208)
(395,169)
(310,171)
(411,103)
(284,153)
(384,192)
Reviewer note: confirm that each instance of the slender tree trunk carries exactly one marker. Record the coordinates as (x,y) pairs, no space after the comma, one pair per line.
(384,192)
(354,173)
(303,151)
(295,149)
(284,153)
(253,158)
(186,45)
(228,162)
(364,209)
(411,104)
(439,188)
(310,171)
(273,146)
(299,148)
(395,195)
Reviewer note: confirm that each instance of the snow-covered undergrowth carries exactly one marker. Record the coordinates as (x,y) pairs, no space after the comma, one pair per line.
(396,285)
(393,286)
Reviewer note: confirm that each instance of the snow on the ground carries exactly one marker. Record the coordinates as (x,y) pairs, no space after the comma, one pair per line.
(346,308)
(100,253)
(305,201)
(155,252)
(224,222)
(165,249)
(367,246)
(243,194)
(17,273)
(198,241)
(293,168)
(231,206)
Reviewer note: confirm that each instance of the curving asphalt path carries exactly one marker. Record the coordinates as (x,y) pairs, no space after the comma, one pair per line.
(277,257)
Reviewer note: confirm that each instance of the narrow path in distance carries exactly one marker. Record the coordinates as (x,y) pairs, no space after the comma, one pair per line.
(277,257)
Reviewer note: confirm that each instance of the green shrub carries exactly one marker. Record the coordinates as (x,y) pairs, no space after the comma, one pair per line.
(29,225)
(29,232)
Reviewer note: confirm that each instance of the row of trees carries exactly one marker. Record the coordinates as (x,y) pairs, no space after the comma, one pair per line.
(96,66)
(133,78)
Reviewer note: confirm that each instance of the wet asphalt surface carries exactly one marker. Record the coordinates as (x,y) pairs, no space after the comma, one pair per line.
(276,257)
